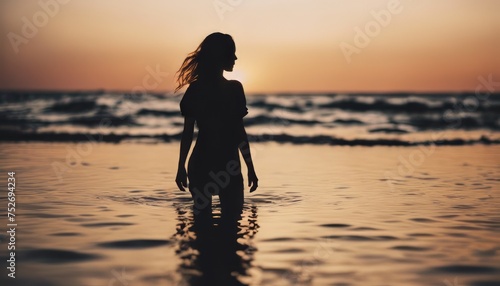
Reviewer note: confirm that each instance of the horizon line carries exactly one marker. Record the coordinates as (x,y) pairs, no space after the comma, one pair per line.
(117,91)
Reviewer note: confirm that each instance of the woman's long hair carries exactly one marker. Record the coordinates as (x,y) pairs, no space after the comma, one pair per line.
(204,59)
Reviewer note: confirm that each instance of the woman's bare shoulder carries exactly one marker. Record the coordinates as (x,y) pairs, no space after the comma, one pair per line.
(193,88)
(236,85)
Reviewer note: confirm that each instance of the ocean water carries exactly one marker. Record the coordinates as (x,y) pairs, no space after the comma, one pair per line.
(335,119)
(355,189)
(323,215)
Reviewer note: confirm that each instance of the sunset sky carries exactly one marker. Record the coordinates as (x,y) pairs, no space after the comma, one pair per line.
(282,46)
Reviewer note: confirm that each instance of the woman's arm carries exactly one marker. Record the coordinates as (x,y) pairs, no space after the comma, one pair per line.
(186,141)
(244,147)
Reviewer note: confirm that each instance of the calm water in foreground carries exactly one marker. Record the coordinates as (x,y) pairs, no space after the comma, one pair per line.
(324,215)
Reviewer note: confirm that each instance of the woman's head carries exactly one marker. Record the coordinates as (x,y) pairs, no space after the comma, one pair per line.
(215,53)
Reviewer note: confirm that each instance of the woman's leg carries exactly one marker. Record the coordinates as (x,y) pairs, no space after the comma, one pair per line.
(202,204)
(231,203)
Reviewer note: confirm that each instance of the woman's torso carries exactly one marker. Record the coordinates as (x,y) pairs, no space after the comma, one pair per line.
(218,127)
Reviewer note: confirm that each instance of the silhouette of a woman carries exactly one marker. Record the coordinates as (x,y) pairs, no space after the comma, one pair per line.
(218,106)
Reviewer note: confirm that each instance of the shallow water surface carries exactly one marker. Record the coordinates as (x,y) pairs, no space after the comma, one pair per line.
(110,214)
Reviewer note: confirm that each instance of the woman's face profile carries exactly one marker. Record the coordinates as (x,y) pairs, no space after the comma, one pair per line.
(229,62)
(229,58)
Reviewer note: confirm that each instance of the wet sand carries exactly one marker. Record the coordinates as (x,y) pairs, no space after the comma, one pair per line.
(110,214)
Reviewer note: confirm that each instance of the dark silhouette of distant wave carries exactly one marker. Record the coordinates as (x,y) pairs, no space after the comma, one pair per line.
(16,136)
(69,115)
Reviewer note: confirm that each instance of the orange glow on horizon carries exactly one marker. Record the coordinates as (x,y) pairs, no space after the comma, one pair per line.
(292,47)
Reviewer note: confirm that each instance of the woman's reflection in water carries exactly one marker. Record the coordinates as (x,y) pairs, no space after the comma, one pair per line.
(216,249)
